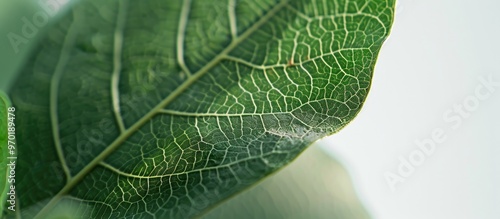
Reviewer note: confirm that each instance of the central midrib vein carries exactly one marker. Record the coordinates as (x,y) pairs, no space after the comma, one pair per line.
(125,135)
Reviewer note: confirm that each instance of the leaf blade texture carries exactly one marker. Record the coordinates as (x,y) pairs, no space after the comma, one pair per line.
(165,108)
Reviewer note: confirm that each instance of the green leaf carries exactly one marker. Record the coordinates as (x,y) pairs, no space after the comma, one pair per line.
(4,150)
(165,108)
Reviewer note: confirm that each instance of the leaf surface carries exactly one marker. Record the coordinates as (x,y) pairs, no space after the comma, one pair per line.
(4,151)
(162,109)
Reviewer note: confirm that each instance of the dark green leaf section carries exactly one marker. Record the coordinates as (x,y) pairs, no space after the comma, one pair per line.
(162,109)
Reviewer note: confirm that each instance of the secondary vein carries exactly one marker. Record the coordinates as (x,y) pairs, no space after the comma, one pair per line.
(117,63)
(181,34)
(231,9)
(54,97)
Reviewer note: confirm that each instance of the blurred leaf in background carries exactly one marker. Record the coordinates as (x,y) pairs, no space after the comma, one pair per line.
(19,33)
(315,185)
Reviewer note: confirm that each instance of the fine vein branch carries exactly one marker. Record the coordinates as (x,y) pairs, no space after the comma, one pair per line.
(157,109)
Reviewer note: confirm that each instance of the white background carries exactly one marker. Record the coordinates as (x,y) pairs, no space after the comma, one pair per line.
(432,61)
